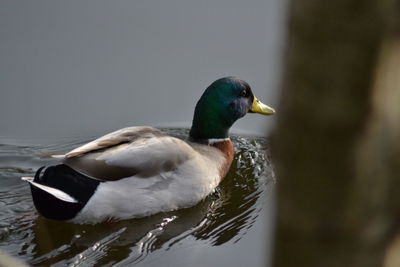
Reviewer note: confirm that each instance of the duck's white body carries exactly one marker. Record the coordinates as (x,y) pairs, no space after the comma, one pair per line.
(137,197)
(167,174)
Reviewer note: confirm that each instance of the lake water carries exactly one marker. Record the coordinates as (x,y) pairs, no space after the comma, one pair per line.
(231,227)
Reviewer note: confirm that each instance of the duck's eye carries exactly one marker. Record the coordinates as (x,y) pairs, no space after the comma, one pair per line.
(243,93)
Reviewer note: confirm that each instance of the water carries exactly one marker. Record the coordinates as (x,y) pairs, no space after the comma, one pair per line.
(229,228)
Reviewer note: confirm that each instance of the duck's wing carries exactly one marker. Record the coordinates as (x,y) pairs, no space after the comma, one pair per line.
(133,151)
(121,136)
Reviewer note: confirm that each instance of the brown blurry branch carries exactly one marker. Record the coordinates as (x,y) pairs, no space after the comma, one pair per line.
(336,147)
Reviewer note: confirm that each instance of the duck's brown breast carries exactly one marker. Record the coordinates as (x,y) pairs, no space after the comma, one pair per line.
(226,147)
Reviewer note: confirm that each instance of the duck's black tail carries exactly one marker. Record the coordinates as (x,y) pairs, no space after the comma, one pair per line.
(59,192)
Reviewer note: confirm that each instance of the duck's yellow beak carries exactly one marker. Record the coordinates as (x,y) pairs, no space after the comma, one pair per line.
(259,107)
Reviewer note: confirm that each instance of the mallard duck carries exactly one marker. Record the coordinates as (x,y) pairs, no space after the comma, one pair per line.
(139,171)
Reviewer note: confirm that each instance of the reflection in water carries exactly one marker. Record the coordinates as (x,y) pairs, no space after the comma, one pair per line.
(224,216)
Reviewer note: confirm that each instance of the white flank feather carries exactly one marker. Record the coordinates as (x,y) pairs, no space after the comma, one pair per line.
(52,191)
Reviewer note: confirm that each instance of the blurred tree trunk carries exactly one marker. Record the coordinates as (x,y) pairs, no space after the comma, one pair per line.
(336,147)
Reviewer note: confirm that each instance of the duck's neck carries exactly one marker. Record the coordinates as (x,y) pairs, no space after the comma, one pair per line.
(212,117)
(212,130)
(208,126)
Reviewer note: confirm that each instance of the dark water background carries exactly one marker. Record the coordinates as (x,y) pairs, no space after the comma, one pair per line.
(231,227)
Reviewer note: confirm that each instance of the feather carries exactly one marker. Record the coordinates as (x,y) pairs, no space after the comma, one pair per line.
(54,192)
(133,151)
(121,136)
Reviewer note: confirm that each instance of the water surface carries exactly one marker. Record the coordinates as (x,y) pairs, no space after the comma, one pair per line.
(229,228)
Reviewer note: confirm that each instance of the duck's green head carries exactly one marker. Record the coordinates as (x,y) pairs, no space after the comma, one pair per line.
(224,101)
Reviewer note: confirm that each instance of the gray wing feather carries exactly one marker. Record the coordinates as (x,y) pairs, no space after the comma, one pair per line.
(121,136)
(133,151)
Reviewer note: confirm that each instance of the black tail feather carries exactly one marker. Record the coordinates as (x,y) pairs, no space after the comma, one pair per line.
(66,179)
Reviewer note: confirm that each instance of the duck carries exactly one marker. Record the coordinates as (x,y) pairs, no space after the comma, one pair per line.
(140,171)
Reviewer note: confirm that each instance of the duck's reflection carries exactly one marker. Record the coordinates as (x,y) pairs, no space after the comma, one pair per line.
(60,241)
